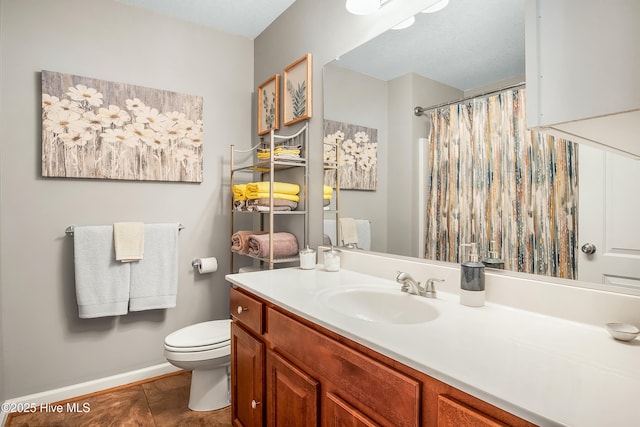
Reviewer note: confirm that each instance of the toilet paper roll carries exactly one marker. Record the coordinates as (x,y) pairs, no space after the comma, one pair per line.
(207,265)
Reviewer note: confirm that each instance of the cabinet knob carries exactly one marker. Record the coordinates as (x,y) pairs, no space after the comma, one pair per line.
(254,404)
(242,309)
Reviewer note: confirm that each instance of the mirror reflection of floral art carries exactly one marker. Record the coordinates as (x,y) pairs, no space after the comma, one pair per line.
(357,155)
(99,129)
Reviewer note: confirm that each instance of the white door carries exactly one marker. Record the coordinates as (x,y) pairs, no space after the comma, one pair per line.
(608,218)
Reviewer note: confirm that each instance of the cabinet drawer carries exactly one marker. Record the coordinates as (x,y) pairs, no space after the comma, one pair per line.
(246,310)
(390,398)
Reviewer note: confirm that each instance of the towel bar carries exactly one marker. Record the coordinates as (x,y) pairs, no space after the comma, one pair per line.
(69,230)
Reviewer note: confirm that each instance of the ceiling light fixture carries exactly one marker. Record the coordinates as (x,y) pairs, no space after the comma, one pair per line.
(363,7)
(405,24)
(436,7)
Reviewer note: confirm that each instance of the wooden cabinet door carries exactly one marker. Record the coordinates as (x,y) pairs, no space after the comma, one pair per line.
(338,413)
(247,378)
(452,413)
(292,395)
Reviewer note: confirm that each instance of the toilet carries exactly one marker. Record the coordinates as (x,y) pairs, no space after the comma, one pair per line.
(204,349)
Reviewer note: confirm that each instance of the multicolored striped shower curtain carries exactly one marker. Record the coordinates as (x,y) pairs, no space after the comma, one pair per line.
(491,179)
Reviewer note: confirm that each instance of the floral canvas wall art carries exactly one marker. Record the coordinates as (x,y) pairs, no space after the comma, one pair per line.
(357,151)
(99,129)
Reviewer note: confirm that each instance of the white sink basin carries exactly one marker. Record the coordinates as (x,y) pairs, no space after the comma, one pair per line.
(379,305)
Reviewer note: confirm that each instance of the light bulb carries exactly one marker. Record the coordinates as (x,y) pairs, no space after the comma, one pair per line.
(363,7)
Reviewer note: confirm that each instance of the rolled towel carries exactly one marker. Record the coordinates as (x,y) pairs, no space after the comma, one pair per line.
(278,187)
(284,245)
(240,240)
(291,197)
(239,192)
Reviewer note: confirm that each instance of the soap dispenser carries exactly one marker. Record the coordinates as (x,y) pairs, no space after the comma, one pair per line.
(494,260)
(472,279)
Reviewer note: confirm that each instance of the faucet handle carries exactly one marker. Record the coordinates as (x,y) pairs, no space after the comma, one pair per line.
(430,287)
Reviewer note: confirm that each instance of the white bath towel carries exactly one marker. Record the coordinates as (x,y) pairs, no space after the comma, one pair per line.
(128,238)
(348,231)
(102,283)
(154,279)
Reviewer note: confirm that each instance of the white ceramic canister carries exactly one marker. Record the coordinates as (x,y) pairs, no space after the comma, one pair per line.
(332,259)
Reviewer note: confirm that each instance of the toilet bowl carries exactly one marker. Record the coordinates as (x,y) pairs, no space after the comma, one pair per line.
(204,349)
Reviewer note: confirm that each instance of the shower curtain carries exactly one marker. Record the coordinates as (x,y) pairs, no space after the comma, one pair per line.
(491,179)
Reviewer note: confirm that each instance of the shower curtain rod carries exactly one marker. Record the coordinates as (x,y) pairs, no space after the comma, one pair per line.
(420,111)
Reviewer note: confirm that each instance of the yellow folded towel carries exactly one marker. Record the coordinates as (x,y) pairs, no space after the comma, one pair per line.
(278,151)
(327,189)
(326,196)
(239,192)
(128,241)
(278,187)
(290,197)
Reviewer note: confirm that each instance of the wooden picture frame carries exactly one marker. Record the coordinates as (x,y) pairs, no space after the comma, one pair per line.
(297,91)
(269,105)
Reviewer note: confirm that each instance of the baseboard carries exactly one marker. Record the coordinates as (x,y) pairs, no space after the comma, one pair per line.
(69,392)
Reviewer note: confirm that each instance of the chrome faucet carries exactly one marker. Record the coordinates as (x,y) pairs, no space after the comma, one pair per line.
(411,286)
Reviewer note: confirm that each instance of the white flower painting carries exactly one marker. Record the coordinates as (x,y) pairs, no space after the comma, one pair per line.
(357,153)
(98,129)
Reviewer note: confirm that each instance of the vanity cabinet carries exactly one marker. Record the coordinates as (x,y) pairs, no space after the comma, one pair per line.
(313,376)
(247,361)
(582,67)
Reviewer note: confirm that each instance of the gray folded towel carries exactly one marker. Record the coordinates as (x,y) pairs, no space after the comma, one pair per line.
(102,283)
(154,279)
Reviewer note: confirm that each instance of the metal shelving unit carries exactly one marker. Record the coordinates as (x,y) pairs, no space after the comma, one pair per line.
(270,167)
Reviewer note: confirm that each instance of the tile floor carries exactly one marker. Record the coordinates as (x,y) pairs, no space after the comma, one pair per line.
(158,403)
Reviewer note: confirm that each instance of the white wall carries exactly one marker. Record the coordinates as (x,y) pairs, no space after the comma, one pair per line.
(44,343)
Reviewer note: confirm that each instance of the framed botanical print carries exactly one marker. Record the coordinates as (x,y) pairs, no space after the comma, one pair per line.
(269,105)
(297,91)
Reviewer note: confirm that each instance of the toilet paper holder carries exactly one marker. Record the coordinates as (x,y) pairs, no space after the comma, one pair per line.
(205,265)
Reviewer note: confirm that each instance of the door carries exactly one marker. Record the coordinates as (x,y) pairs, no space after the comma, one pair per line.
(292,395)
(608,218)
(247,384)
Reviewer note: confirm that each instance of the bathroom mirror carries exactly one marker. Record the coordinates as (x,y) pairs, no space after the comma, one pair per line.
(469,48)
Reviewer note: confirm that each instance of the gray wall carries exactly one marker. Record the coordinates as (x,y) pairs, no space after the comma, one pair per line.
(326,30)
(388,106)
(355,98)
(44,343)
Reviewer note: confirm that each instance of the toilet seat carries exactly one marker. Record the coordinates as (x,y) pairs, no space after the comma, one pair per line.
(200,337)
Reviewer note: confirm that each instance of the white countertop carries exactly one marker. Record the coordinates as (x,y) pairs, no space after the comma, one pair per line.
(547,370)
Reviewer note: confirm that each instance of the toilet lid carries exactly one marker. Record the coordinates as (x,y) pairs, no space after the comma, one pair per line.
(201,334)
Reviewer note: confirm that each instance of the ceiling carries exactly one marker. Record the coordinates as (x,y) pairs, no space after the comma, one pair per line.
(467,45)
(246,18)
